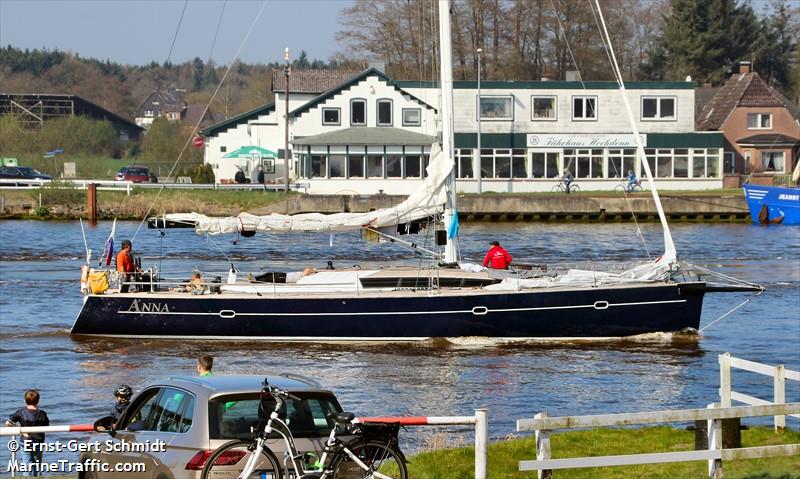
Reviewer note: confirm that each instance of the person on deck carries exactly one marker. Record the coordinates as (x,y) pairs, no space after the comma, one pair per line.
(125,265)
(497,257)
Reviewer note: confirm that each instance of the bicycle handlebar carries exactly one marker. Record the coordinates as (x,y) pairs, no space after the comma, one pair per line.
(277,392)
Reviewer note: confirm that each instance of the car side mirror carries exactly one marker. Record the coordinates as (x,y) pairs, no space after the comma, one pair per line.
(105,424)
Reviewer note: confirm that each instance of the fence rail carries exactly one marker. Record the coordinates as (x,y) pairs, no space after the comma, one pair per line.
(779,375)
(128,186)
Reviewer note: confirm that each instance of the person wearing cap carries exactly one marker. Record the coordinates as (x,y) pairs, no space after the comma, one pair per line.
(497,257)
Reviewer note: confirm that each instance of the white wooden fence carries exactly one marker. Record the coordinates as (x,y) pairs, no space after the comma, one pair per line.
(779,376)
(715,454)
(127,186)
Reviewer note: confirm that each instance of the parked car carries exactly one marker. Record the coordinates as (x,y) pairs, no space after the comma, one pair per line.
(22,173)
(136,174)
(195,415)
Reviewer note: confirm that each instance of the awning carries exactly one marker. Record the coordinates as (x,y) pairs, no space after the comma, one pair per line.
(251,152)
(768,140)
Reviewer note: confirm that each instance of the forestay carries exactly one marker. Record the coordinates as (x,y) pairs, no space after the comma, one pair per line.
(427,200)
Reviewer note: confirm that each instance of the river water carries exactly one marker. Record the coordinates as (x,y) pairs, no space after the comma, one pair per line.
(40,298)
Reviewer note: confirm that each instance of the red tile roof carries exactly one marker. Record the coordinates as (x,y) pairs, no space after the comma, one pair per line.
(747,89)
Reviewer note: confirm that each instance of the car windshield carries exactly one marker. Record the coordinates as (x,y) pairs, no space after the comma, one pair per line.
(26,170)
(138,171)
(232,416)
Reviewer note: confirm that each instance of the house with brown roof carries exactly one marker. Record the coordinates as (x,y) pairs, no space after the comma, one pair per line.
(161,103)
(761,127)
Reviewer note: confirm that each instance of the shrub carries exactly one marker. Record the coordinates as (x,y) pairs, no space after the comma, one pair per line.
(59,193)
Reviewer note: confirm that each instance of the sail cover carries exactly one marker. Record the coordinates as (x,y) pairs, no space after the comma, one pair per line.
(425,201)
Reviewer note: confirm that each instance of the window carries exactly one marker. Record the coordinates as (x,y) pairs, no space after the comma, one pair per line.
(728,164)
(174,411)
(705,163)
(584,108)
(144,412)
(337,166)
(773,161)
(464,162)
(223,149)
(394,166)
(503,163)
(331,116)
(412,117)
(358,112)
(148,113)
(544,164)
(375,166)
(232,416)
(658,108)
(319,167)
(384,112)
(680,163)
(584,163)
(413,166)
(496,108)
(356,164)
(620,162)
(759,121)
(543,108)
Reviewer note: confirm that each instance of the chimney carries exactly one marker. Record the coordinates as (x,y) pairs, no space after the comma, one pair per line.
(744,68)
(379,65)
(573,75)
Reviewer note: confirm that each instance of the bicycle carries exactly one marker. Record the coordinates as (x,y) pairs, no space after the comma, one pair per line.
(562,188)
(370,451)
(625,188)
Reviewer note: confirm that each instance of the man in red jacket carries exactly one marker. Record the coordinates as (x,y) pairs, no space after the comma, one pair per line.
(497,257)
(125,265)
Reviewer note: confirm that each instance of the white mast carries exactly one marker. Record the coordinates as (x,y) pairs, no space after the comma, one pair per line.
(670,255)
(446,115)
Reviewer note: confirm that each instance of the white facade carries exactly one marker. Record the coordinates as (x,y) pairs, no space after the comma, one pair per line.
(530,133)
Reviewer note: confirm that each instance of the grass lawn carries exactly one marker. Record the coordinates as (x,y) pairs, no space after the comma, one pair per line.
(504,456)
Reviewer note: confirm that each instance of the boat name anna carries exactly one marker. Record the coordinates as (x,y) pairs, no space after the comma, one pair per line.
(143,307)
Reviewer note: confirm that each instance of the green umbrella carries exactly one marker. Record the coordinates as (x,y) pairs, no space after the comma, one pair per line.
(251,152)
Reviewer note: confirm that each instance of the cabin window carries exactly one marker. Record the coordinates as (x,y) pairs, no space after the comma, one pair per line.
(356,165)
(544,164)
(620,162)
(384,112)
(658,108)
(759,121)
(412,117)
(337,166)
(331,116)
(358,112)
(543,108)
(773,161)
(584,108)
(498,108)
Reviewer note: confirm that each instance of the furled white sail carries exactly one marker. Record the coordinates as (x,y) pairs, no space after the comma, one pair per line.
(425,201)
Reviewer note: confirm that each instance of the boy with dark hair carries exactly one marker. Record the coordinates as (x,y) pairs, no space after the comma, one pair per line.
(31,415)
(204,365)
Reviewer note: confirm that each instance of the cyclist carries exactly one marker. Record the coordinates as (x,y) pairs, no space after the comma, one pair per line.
(567,179)
(632,181)
(122,394)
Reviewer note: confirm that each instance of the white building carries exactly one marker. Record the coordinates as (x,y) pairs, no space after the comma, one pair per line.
(370,133)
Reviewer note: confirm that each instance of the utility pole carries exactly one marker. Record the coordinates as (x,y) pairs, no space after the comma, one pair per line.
(286,71)
(480,186)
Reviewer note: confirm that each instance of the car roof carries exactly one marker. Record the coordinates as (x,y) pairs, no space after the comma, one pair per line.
(228,384)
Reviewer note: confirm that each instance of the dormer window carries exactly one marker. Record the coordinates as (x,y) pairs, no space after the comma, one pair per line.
(759,121)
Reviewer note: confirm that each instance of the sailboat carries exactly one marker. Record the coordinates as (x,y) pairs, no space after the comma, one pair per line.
(775,204)
(447,300)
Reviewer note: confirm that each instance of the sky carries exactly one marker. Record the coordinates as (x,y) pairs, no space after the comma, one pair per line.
(140,31)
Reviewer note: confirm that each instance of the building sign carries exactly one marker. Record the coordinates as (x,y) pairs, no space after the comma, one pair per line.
(583,140)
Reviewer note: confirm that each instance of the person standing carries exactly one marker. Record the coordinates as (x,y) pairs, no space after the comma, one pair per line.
(204,365)
(31,415)
(497,257)
(125,265)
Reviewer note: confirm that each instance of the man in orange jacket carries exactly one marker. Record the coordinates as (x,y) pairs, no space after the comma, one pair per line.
(497,257)
(125,265)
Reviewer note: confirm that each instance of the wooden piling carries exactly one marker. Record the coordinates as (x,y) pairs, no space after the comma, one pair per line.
(91,202)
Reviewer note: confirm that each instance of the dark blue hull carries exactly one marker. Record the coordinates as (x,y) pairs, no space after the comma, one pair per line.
(398,316)
(773,204)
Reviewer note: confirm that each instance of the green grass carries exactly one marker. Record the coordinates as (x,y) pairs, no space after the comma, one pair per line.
(95,167)
(504,456)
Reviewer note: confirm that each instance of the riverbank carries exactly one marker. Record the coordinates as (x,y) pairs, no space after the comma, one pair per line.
(69,203)
(504,456)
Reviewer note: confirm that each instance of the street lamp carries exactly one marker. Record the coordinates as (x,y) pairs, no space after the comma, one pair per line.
(480,50)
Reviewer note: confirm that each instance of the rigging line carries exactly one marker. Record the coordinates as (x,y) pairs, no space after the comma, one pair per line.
(729,312)
(566,41)
(205,110)
(219,24)
(177,29)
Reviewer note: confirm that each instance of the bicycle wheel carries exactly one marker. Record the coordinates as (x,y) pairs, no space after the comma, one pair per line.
(383,460)
(558,188)
(229,460)
(619,189)
(574,188)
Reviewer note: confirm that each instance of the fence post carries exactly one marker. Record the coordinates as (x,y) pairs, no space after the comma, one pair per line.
(779,386)
(91,202)
(543,447)
(714,444)
(725,379)
(481,442)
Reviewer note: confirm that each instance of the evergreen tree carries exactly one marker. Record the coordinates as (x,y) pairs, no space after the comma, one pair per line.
(776,47)
(198,73)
